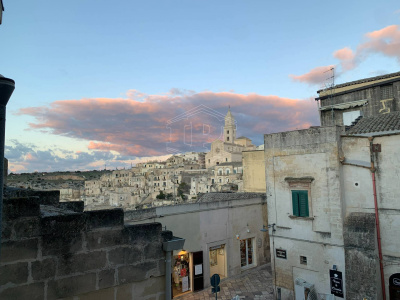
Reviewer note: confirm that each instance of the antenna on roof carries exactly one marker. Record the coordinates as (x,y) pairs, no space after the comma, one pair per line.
(331,87)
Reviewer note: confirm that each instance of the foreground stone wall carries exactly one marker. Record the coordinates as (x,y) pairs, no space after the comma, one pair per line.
(362,261)
(49,252)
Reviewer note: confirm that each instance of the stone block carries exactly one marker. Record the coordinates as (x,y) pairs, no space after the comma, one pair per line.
(34,291)
(76,206)
(136,273)
(14,273)
(104,239)
(56,244)
(47,197)
(153,251)
(63,224)
(150,232)
(44,269)
(105,218)
(125,256)
(70,286)
(106,278)
(21,207)
(27,227)
(19,250)
(79,263)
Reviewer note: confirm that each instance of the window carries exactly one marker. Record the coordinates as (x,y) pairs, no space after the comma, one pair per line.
(227,171)
(246,252)
(227,131)
(386,91)
(219,171)
(303,260)
(227,138)
(226,159)
(300,203)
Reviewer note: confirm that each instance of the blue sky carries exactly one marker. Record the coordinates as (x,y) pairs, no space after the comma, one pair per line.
(146,61)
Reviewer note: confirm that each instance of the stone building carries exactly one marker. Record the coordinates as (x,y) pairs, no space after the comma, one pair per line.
(327,189)
(221,231)
(344,103)
(230,149)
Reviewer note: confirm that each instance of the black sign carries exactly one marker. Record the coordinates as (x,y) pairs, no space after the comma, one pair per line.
(215,280)
(336,283)
(281,253)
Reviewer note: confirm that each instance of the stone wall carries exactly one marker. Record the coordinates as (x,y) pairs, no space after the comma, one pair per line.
(362,261)
(50,252)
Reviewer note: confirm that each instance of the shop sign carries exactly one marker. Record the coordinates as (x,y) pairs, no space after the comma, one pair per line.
(198,269)
(281,253)
(336,283)
(185,284)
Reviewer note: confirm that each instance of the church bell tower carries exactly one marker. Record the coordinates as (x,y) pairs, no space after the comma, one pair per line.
(229,128)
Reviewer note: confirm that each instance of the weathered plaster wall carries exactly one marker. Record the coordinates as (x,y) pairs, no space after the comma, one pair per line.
(359,199)
(311,153)
(254,171)
(52,253)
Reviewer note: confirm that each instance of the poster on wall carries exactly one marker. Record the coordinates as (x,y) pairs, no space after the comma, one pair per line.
(198,269)
(336,283)
(185,284)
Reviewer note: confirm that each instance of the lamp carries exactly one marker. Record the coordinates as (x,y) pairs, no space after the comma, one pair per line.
(7,87)
(265,228)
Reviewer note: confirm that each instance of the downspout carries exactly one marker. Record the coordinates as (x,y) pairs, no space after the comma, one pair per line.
(378,231)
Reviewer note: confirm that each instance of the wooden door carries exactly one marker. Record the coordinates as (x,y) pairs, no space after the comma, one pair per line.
(198,271)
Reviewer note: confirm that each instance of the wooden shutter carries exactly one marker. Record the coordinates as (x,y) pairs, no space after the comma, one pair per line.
(303,203)
(295,201)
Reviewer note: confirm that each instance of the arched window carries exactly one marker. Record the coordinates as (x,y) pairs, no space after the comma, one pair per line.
(227,171)
(219,171)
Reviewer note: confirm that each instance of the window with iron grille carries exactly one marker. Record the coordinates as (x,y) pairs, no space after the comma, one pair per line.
(386,91)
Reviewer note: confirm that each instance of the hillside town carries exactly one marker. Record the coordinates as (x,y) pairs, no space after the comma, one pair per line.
(318,206)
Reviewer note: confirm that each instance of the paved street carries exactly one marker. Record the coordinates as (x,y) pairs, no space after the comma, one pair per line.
(253,284)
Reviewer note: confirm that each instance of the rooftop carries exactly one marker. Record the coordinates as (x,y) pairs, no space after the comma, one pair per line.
(365,80)
(213,197)
(381,123)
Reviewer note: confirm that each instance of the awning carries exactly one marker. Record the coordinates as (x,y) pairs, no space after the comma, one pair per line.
(345,105)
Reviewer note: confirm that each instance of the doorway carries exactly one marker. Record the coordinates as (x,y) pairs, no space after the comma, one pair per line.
(217,256)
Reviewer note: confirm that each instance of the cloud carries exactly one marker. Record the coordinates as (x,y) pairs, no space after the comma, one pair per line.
(385,41)
(136,126)
(315,76)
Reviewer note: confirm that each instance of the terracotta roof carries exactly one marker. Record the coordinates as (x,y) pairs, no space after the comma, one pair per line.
(380,123)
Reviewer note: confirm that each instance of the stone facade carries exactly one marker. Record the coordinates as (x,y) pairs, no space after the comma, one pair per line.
(335,171)
(50,252)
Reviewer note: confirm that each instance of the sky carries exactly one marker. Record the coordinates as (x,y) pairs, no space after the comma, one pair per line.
(107,84)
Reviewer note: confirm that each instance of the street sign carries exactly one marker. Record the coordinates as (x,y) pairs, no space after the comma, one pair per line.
(336,283)
(215,280)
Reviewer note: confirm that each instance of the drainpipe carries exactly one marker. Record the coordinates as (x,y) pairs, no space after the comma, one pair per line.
(168,255)
(378,231)
(7,87)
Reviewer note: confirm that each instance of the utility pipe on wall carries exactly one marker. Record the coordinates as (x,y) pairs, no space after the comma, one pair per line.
(378,230)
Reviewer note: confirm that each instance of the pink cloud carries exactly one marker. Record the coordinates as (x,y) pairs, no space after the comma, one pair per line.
(137,126)
(315,76)
(385,41)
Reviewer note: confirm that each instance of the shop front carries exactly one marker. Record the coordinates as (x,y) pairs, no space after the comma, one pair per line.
(181,275)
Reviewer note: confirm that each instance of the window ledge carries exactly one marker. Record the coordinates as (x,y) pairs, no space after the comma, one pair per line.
(301,218)
(307,179)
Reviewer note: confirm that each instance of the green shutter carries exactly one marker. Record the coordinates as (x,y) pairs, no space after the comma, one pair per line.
(295,201)
(303,203)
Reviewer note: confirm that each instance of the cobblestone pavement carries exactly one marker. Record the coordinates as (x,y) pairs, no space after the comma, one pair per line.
(255,283)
